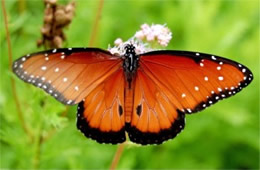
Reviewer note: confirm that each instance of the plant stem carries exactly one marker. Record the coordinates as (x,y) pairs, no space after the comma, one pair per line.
(37,156)
(117,156)
(22,5)
(13,87)
(96,22)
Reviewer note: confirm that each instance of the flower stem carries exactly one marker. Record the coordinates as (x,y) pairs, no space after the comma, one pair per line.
(13,87)
(96,22)
(117,156)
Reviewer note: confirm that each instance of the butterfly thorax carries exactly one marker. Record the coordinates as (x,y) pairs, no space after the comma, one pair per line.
(130,63)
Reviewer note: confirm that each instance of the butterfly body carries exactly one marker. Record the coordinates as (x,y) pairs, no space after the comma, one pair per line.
(130,63)
(146,95)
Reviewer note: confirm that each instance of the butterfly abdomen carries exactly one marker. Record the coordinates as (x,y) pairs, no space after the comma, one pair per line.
(129,97)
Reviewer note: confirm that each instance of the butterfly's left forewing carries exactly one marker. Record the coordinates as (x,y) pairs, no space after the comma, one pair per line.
(70,74)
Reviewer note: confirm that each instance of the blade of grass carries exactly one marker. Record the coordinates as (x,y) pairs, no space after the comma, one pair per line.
(96,22)
(13,86)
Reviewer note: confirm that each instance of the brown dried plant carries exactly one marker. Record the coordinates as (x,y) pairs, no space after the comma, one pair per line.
(56,18)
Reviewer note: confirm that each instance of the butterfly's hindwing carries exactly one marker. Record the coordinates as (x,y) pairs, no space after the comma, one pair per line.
(101,115)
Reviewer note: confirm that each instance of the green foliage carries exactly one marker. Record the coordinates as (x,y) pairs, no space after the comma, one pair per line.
(224,136)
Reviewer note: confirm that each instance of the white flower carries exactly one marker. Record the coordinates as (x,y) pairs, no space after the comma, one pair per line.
(157,32)
(114,51)
(118,41)
(139,35)
(143,39)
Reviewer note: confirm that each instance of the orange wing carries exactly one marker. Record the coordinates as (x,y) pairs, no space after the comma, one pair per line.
(101,115)
(172,83)
(70,74)
(155,118)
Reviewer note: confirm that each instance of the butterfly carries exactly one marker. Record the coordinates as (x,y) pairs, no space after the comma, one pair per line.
(146,95)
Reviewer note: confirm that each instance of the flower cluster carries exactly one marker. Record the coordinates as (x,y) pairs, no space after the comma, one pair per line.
(119,48)
(156,32)
(144,40)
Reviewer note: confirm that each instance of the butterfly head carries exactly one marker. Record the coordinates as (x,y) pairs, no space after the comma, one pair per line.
(129,49)
(131,59)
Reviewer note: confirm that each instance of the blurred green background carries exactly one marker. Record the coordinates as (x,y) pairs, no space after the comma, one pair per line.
(225,135)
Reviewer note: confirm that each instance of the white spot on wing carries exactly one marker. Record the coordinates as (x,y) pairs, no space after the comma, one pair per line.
(56,69)
(206,78)
(213,57)
(44,67)
(201,64)
(76,88)
(197,54)
(243,70)
(65,79)
(218,68)
(196,88)
(220,78)
(54,50)
(183,95)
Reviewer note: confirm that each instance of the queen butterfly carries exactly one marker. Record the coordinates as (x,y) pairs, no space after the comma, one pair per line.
(146,95)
